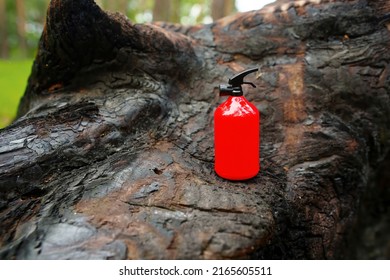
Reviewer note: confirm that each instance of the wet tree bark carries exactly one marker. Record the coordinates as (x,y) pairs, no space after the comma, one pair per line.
(112,154)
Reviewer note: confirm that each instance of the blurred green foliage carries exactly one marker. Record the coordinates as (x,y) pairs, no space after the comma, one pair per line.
(15,70)
(35,12)
(13,80)
(140,11)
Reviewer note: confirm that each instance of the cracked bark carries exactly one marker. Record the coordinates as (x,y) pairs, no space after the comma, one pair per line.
(111,156)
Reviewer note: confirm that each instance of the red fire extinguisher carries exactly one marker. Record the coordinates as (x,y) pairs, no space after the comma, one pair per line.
(236,132)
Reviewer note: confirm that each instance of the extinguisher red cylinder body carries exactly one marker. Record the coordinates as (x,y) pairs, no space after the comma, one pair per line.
(237,139)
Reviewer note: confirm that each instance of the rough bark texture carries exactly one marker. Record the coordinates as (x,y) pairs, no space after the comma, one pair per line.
(112,154)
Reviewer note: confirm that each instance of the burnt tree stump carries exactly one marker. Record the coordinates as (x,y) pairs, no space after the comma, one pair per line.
(111,156)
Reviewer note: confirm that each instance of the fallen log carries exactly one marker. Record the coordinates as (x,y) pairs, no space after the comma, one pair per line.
(111,156)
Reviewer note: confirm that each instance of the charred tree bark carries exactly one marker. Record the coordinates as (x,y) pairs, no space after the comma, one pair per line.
(112,153)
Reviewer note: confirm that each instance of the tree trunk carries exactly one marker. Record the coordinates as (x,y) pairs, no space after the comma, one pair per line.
(3,30)
(162,10)
(112,154)
(175,11)
(221,8)
(21,26)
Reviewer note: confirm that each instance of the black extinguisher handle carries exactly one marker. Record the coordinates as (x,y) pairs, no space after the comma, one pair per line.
(238,80)
(234,87)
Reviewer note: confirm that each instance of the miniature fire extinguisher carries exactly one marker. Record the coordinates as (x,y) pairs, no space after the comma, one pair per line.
(236,132)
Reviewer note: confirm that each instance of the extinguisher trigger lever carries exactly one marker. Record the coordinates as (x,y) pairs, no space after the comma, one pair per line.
(249,83)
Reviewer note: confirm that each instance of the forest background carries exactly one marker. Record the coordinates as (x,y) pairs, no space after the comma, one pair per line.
(22,21)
